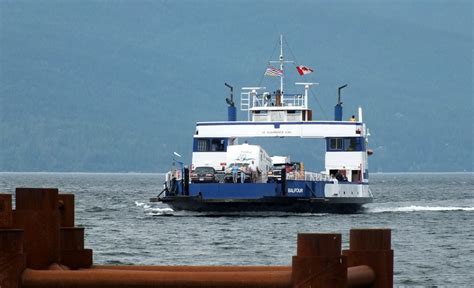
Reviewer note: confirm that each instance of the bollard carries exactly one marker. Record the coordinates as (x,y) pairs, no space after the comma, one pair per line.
(318,262)
(38,215)
(372,247)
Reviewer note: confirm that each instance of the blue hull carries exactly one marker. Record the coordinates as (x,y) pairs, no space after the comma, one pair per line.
(294,197)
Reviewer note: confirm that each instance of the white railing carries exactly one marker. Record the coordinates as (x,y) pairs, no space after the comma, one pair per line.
(293,100)
(308,176)
(250,100)
(313,176)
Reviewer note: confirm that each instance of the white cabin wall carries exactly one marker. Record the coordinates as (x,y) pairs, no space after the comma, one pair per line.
(259,129)
(346,160)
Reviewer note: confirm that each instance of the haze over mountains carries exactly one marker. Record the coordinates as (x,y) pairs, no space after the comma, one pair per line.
(117,86)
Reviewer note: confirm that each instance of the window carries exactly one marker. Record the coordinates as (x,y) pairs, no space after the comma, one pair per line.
(335,143)
(217,145)
(210,145)
(202,145)
(346,144)
(350,144)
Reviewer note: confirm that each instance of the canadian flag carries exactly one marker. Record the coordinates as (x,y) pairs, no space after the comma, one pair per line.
(303,70)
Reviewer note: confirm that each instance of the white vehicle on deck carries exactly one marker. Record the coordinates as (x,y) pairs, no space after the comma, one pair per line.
(245,154)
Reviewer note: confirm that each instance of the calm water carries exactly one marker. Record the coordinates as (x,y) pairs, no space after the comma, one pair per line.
(431,217)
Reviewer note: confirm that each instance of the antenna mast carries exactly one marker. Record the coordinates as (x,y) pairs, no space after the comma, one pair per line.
(281,63)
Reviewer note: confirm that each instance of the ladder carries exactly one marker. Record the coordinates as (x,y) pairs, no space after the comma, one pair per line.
(245,101)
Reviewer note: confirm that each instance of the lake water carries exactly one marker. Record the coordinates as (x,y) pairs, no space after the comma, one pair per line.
(431,217)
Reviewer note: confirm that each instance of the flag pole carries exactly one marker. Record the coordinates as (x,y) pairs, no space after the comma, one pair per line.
(281,64)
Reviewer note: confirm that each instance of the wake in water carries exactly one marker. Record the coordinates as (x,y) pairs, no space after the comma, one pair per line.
(154,211)
(416,208)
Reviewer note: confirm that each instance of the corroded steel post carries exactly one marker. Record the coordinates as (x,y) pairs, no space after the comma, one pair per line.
(12,258)
(372,247)
(6,212)
(72,253)
(66,210)
(318,262)
(38,215)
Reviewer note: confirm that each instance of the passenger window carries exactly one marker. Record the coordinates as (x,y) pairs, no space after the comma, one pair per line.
(336,143)
(350,144)
(202,145)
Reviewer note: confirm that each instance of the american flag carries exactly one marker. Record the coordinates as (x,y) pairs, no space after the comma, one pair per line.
(273,72)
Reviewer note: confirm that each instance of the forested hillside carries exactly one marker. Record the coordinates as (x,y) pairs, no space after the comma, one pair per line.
(117,86)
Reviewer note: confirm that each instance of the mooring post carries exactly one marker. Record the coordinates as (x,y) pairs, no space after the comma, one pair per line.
(6,212)
(318,261)
(72,252)
(12,258)
(372,247)
(38,215)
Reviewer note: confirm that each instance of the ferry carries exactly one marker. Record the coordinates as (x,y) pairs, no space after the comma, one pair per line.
(230,176)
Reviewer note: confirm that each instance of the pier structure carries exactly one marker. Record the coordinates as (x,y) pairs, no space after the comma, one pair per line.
(41,247)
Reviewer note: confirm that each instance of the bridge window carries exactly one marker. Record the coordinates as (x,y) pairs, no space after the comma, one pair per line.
(210,145)
(346,144)
(350,144)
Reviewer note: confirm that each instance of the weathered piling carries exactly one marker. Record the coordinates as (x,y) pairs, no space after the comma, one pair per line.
(38,215)
(372,247)
(40,247)
(66,209)
(12,257)
(318,261)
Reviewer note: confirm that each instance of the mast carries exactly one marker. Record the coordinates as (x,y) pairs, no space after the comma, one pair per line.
(282,66)
(281,63)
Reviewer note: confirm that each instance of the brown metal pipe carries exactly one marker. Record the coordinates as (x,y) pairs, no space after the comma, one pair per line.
(192,268)
(360,276)
(126,278)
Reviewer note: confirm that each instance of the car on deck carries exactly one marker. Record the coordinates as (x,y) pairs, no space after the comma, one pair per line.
(204,175)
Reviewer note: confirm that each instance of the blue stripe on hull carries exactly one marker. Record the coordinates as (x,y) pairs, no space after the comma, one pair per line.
(234,191)
(294,188)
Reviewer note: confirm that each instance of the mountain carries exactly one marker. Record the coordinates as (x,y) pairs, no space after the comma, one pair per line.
(117,86)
